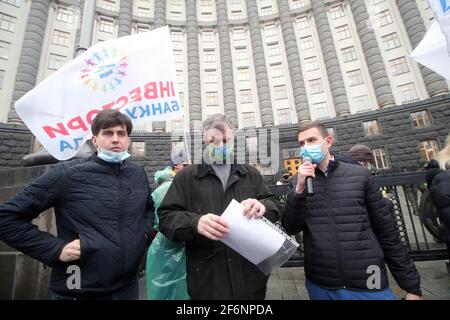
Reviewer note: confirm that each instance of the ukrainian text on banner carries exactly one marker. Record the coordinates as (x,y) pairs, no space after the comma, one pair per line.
(441,9)
(134,74)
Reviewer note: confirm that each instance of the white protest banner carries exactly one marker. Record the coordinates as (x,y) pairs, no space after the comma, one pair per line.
(134,74)
(441,9)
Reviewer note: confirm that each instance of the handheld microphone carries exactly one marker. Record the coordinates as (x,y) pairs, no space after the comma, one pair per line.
(309,184)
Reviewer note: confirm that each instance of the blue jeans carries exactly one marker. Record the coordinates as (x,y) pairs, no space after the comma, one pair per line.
(318,293)
(130,291)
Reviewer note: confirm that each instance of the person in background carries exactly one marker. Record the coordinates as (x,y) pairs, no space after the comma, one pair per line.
(438,182)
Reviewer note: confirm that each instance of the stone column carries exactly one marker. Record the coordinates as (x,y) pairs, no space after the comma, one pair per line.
(226,64)
(372,54)
(195,97)
(30,55)
(125,17)
(334,71)
(294,62)
(262,81)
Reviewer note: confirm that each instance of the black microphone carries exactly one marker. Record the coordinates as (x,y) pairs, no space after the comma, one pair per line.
(309,184)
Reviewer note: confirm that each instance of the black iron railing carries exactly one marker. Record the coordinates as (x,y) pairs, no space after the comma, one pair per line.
(416,219)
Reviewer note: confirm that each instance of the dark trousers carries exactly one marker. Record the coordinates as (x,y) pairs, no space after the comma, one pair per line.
(128,292)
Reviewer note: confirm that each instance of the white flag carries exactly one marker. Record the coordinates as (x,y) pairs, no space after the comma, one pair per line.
(134,74)
(441,9)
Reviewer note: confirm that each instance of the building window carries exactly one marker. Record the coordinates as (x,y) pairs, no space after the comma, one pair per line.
(428,149)
(311,64)
(181,97)
(321,110)
(4,50)
(212,98)
(178,56)
(61,38)
(298,3)
(56,61)
(64,15)
(15,3)
(7,23)
(142,28)
(381,159)
(376,2)
(2,76)
(284,116)
(180,78)
(355,77)
(246,96)
(106,26)
(408,92)
(209,55)
(176,124)
(207,15)
(143,12)
(399,66)
(316,86)
(371,128)
(361,104)
(248,120)
(241,53)
(236,14)
(391,41)
(273,49)
(138,148)
(109,4)
(302,23)
(337,12)
(211,76)
(266,10)
(176,35)
(332,133)
(243,74)
(235,2)
(269,30)
(238,34)
(343,32)
(306,43)
(384,17)
(252,145)
(277,70)
(208,35)
(421,119)
(280,92)
(349,54)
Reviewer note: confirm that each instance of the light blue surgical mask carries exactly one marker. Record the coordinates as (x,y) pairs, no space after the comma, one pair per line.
(221,153)
(314,152)
(112,157)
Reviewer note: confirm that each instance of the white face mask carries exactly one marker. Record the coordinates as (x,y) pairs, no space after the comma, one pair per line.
(369,166)
(112,157)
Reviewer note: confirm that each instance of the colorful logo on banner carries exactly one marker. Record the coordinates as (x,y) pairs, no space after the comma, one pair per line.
(445,6)
(102,71)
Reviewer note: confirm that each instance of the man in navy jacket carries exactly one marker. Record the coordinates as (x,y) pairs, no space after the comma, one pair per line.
(103,213)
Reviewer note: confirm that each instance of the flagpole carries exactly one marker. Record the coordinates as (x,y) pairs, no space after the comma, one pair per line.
(87,26)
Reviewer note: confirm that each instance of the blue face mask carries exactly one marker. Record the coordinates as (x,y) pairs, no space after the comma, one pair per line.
(112,157)
(314,152)
(222,153)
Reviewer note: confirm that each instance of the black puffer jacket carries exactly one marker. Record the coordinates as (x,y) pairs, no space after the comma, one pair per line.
(438,182)
(347,228)
(107,206)
(214,271)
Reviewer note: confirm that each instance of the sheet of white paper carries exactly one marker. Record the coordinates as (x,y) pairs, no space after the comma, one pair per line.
(251,238)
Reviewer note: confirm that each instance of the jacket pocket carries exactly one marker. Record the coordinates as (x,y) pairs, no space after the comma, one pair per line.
(87,247)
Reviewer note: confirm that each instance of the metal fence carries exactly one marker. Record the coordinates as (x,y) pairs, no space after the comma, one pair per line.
(416,218)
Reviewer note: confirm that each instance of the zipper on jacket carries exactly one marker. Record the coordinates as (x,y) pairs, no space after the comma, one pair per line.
(330,208)
(121,220)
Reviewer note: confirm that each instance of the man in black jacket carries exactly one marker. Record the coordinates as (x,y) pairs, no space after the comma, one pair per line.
(191,210)
(103,212)
(349,234)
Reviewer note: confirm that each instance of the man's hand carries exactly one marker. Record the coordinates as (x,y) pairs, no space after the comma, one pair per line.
(307,169)
(212,226)
(411,296)
(71,251)
(253,208)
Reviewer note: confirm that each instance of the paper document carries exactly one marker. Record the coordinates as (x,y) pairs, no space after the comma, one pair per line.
(252,238)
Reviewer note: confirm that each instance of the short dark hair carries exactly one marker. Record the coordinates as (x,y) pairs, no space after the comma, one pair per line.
(314,124)
(216,121)
(110,118)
